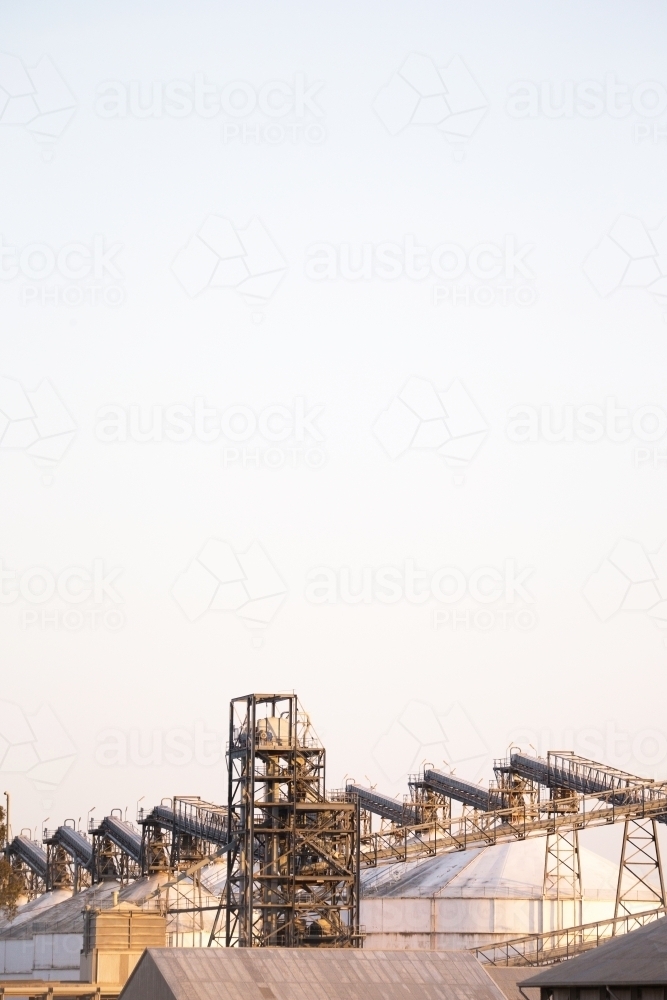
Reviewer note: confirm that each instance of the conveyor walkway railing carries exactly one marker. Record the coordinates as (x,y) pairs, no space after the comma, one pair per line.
(74,843)
(124,836)
(194,816)
(549,947)
(382,805)
(533,819)
(565,770)
(459,789)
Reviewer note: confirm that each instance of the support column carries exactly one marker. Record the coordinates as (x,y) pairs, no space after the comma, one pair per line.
(562,874)
(640,867)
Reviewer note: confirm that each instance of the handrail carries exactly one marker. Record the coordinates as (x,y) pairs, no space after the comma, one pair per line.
(533,819)
(548,947)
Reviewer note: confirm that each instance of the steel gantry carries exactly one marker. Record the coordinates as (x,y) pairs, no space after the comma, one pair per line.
(181,831)
(29,860)
(641,864)
(293,873)
(116,849)
(553,798)
(293,852)
(69,858)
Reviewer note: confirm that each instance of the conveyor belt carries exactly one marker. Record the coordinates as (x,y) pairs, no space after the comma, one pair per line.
(30,853)
(122,835)
(461,790)
(564,770)
(192,816)
(76,845)
(382,805)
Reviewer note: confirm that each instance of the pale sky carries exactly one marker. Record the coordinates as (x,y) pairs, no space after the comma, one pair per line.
(333,360)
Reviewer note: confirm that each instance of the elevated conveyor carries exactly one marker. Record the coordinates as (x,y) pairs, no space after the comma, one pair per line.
(460,790)
(124,836)
(200,819)
(381,805)
(567,770)
(29,854)
(192,816)
(75,844)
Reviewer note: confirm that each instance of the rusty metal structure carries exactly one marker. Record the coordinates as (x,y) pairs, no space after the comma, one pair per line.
(29,861)
(116,850)
(293,873)
(293,851)
(69,858)
(552,797)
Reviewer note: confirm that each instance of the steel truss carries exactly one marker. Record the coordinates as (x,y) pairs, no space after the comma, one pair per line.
(293,872)
(550,947)
(116,850)
(640,864)
(63,869)
(433,806)
(181,833)
(155,844)
(112,863)
(33,883)
(532,818)
(562,875)
(30,864)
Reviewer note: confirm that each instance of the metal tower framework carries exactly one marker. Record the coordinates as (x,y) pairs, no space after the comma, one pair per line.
(641,866)
(562,874)
(116,850)
(180,832)
(68,858)
(293,872)
(30,863)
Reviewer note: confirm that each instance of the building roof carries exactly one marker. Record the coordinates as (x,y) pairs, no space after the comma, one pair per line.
(60,912)
(509,981)
(635,959)
(514,870)
(35,908)
(307,974)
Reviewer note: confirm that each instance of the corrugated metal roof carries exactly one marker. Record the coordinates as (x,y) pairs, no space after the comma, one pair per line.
(514,870)
(34,908)
(64,918)
(307,974)
(509,980)
(635,959)
(64,915)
